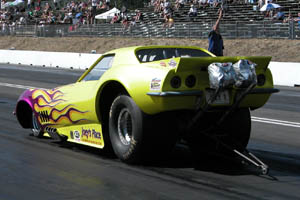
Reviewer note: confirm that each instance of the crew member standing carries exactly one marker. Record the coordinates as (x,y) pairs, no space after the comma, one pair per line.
(215,39)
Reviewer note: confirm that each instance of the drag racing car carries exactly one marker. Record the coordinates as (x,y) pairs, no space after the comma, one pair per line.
(140,101)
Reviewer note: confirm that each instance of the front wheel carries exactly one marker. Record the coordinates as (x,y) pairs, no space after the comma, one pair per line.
(36,127)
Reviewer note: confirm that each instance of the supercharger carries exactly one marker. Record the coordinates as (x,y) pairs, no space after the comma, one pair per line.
(240,74)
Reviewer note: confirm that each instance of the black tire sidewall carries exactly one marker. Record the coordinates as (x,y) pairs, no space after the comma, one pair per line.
(128,153)
(238,127)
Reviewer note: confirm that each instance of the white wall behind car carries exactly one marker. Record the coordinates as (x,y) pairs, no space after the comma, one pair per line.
(49,59)
(284,73)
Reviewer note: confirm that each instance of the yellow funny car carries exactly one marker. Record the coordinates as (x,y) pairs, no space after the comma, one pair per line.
(140,101)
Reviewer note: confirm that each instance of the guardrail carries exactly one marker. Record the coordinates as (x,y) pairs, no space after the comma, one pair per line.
(262,29)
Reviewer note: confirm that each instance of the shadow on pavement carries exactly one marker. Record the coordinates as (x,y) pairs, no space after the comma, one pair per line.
(280,164)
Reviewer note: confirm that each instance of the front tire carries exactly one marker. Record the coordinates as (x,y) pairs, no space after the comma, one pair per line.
(36,127)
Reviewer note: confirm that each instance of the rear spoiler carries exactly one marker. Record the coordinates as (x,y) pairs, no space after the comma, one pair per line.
(187,64)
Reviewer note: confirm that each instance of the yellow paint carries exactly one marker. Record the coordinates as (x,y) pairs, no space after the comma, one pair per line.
(89,134)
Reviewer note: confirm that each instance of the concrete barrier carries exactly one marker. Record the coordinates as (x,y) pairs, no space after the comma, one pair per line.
(284,73)
(49,59)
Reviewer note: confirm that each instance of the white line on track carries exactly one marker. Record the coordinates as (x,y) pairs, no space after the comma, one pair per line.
(17,86)
(275,121)
(255,119)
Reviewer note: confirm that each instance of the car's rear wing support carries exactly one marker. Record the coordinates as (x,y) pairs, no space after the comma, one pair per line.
(246,155)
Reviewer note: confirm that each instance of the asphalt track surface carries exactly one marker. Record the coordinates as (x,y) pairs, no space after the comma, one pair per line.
(32,168)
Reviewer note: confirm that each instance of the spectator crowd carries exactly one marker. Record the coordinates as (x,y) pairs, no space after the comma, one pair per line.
(166,9)
(50,12)
(20,12)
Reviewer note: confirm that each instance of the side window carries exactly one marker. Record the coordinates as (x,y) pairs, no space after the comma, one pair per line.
(102,66)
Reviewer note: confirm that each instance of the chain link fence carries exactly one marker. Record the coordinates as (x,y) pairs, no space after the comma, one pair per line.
(179,30)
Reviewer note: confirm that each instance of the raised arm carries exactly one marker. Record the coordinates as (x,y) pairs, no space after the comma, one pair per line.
(216,26)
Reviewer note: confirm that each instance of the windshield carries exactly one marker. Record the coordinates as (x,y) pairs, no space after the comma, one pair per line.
(102,66)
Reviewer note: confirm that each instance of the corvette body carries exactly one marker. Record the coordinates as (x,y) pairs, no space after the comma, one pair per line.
(135,95)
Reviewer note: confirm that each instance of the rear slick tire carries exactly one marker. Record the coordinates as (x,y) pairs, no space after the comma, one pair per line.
(137,137)
(234,132)
(126,122)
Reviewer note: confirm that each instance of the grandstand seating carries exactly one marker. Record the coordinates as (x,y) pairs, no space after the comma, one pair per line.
(240,20)
(235,12)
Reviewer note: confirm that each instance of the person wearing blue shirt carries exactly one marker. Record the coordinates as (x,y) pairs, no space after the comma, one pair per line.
(298,20)
(215,39)
(279,15)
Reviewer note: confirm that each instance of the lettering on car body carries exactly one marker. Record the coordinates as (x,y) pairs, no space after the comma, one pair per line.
(91,136)
(88,133)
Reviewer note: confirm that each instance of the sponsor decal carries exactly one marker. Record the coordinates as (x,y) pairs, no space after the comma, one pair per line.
(88,133)
(91,136)
(163,64)
(77,135)
(155,84)
(172,63)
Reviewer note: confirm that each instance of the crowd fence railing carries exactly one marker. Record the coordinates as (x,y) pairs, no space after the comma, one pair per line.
(235,30)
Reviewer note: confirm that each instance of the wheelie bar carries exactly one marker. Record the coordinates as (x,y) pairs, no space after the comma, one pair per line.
(246,155)
(252,159)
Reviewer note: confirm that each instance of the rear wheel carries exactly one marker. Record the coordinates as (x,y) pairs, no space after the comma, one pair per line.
(36,128)
(135,136)
(126,129)
(234,132)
